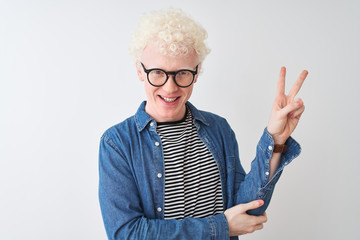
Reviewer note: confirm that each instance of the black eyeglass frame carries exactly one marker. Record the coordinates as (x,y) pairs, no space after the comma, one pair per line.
(147,71)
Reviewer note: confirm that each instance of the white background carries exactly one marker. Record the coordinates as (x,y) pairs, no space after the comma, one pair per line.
(66,76)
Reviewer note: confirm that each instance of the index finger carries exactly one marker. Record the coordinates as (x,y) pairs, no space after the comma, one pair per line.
(297,85)
(260,219)
(281,82)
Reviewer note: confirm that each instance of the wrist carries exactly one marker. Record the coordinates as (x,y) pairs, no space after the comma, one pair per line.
(276,138)
(279,141)
(279,148)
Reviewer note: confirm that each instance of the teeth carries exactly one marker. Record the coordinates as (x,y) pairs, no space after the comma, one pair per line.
(169,99)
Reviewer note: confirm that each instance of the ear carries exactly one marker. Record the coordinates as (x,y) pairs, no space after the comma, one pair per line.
(197,75)
(139,70)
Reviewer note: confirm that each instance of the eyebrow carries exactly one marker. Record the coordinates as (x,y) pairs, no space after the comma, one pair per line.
(182,68)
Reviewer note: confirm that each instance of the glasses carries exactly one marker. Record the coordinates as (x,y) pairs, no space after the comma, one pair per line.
(158,77)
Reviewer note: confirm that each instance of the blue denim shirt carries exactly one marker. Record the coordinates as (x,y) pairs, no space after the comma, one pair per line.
(131,187)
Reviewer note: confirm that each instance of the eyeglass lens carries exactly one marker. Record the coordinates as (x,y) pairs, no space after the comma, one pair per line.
(182,78)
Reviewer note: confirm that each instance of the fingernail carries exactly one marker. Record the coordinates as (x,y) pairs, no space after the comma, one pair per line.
(260,202)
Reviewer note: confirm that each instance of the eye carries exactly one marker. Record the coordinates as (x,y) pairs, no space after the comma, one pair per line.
(158,72)
(184,73)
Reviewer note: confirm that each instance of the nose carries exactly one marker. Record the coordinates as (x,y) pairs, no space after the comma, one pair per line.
(170,85)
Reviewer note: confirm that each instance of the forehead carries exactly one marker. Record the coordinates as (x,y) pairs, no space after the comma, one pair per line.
(151,57)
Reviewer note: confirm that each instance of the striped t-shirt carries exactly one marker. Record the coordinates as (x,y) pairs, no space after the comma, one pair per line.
(192,180)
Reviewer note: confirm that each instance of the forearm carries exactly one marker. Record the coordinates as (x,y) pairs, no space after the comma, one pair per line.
(275,160)
(129,214)
(266,170)
(274,164)
(125,218)
(214,227)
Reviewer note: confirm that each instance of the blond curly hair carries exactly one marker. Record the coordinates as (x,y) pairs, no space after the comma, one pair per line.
(172,31)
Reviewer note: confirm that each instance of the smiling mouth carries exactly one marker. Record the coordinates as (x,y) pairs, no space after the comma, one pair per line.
(169,100)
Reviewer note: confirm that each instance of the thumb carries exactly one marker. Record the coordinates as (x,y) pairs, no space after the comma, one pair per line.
(253,205)
(298,103)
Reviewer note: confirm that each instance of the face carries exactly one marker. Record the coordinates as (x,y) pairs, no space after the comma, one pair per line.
(166,103)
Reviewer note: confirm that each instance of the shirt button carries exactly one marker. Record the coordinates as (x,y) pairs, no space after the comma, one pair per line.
(157,144)
(159,175)
(270,148)
(286,163)
(159,209)
(152,124)
(267,173)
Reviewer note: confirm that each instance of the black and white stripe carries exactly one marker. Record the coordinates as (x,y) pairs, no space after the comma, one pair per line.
(192,180)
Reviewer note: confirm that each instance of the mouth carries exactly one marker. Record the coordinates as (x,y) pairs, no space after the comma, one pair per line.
(169,100)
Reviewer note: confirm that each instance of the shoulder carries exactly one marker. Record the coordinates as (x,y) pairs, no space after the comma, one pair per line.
(120,133)
(217,124)
(213,117)
(208,118)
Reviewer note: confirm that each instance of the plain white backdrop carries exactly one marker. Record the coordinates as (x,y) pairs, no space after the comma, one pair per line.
(66,76)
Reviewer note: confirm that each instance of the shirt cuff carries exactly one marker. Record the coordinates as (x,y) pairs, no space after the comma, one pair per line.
(267,145)
(219,226)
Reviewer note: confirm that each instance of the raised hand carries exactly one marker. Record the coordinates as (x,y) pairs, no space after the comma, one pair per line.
(240,222)
(286,110)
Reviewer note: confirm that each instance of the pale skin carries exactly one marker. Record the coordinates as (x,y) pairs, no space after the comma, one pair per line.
(285,116)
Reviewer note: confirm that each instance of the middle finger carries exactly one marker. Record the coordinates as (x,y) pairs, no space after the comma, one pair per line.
(297,85)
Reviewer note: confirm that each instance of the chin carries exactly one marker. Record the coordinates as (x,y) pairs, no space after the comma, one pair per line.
(170,117)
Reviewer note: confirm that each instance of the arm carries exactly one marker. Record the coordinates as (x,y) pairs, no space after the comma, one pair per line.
(257,183)
(122,210)
(285,114)
(267,166)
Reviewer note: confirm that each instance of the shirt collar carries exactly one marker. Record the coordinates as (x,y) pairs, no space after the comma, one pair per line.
(142,119)
(196,114)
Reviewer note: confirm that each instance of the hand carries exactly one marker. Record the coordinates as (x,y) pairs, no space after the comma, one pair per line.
(286,111)
(240,222)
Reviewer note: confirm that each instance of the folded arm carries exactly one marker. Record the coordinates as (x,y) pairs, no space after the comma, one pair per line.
(122,210)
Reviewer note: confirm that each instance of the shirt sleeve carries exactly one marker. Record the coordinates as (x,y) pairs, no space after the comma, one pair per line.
(256,184)
(122,210)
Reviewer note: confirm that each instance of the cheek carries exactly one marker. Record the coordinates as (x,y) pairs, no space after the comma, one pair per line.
(189,92)
(150,91)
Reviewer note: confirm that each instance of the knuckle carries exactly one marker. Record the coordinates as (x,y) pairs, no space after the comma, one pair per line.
(253,222)
(240,208)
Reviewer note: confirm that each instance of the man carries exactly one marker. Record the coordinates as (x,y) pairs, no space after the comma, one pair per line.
(172,171)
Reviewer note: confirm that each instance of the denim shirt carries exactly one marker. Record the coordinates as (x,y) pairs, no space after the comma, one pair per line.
(131,174)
